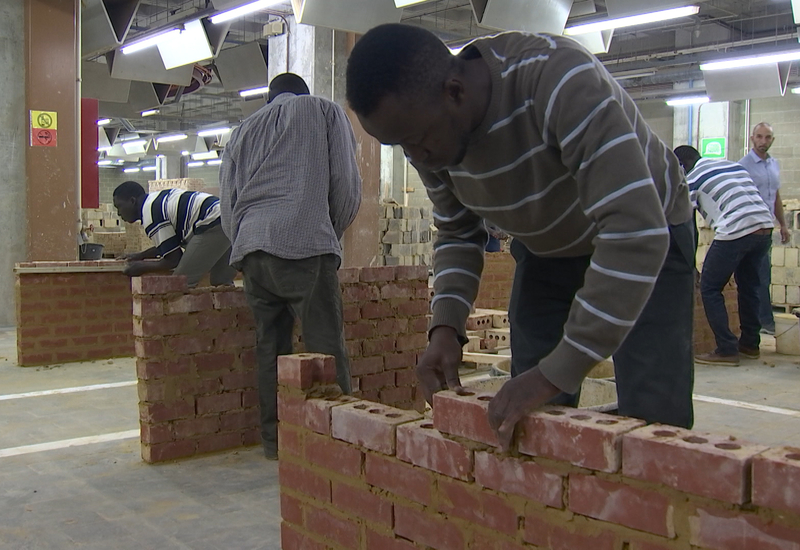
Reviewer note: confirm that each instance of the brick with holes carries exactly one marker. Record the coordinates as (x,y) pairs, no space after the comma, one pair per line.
(682,459)
(369,424)
(584,438)
(776,479)
(422,445)
(464,415)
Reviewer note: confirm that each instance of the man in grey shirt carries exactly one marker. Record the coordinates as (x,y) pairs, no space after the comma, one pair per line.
(289,187)
(765,172)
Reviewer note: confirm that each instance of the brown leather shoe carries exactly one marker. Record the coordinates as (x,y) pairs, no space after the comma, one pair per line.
(714,358)
(749,353)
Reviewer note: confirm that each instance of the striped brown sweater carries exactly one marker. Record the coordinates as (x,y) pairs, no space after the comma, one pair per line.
(565,163)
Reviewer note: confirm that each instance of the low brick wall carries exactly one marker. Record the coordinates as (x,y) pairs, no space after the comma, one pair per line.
(354,474)
(496,281)
(196,357)
(72,311)
(704,341)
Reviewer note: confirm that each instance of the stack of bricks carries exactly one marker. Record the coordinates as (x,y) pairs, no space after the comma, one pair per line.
(117,237)
(406,236)
(102,219)
(703,336)
(356,475)
(72,311)
(496,281)
(785,276)
(187,184)
(196,358)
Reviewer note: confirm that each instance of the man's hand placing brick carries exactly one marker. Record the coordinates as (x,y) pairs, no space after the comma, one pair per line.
(438,367)
(518,396)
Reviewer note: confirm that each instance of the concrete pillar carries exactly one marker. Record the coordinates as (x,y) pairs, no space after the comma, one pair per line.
(13,142)
(51,84)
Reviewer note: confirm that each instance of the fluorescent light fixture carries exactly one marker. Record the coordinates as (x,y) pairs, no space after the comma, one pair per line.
(796,91)
(188,46)
(128,137)
(185,153)
(693,100)
(104,162)
(205,156)
(174,137)
(404,3)
(213,162)
(627,75)
(195,164)
(148,168)
(148,42)
(104,149)
(137,146)
(131,170)
(254,91)
(751,61)
(243,10)
(633,20)
(103,121)
(150,112)
(213,132)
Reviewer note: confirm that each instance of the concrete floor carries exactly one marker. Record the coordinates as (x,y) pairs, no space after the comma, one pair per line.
(71,475)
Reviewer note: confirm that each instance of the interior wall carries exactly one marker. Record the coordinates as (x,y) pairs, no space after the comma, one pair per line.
(660,117)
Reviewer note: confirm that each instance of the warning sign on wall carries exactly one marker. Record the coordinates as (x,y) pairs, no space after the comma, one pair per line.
(44,128)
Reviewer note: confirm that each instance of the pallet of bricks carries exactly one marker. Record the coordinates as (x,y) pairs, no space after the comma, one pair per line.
(489,343)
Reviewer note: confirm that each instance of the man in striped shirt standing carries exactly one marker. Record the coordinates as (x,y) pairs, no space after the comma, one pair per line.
(531,133)
(185,227)
(729,201)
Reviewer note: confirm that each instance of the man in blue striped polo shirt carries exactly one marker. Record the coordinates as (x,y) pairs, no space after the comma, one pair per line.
(186,230)
(728,200)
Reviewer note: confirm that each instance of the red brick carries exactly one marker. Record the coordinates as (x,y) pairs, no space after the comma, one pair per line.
(292,539)
(69,356)
(349,276)
(520,477)
(361,331)
(397,290)
(161,326)
(421,445)
(153,390)
(377,274)
(214,362)
(304,370)
(399,478)
(158,284)
(155,433)
(377,381)
(368,365)
(419,324)
(392,326)
(407,359)
(427,529)
(369,425)
(189,303)
(238,420)
(169,450)
(239,380)
(194,427)
(161,412)
(333,455)
(621,504)
(216,320)
(682,459)
(416,341)
(351,314)
(391,396)
(494,542)
(333,527)
(722,530)
(291,510)
(379,541)
(189,345)
(224,299)
(479,322)
(235,340)
(290,441)
(219,442)
(645,545)
(405,378)
(457,499)
(409,272)
(314,414)
(219,403)
(584,438)
(360,293)
(362,504)
(145,306)
(295,477)
(376,310)
(776,479)
(558,537)
(250,398)
(464,416)
(148,348)
(380,347)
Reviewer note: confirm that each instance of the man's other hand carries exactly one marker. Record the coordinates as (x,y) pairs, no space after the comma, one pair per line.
(517,397)
(438,367)
(135,269)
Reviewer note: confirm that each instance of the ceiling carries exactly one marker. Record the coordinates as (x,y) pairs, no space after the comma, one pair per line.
(670,52)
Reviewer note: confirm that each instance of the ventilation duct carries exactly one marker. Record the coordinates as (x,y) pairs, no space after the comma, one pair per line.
(346,15)
(243,67)
(522,15)
(624,8)
(748,82)
(105,24)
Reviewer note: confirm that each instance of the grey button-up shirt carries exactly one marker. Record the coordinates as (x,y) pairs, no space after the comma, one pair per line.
(766,174)
(289,182)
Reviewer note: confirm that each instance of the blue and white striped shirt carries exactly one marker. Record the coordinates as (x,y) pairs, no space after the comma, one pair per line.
(172,216)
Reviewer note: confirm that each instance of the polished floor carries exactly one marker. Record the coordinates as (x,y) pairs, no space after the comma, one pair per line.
(71,475)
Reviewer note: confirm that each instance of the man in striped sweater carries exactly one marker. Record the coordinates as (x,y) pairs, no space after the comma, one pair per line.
(532,134)
(729,201)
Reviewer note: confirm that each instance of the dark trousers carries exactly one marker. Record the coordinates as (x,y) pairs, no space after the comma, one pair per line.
(654,367)
(279,290)
(743,258)
(765,314)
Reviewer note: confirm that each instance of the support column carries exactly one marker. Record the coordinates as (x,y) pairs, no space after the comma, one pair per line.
(13,142)
(51,84)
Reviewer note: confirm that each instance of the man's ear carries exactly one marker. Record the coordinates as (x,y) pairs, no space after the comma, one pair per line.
(454,89)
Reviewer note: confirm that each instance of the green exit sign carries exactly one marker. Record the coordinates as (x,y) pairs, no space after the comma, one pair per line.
(713,148)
